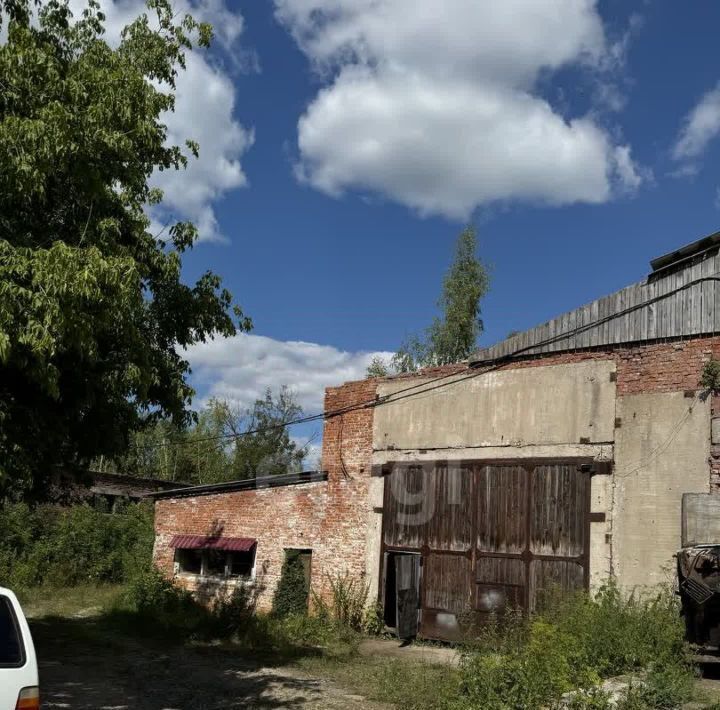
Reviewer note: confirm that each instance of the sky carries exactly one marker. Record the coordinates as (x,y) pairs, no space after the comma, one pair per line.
(344,144)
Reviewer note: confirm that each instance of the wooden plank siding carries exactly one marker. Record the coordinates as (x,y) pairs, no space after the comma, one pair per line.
(671,303)
(491,536)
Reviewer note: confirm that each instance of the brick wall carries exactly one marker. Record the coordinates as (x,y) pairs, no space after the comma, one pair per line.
(328,517)
(331,517)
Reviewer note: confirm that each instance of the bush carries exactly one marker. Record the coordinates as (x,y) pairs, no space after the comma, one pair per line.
(291,594)
(54,546)
(156,604)
(161,606)
(347,605)
(374,621)
(573,644)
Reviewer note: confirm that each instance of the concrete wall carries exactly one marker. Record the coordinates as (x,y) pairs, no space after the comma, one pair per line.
(561,404)
(535,412)
(661,451)
(530,409)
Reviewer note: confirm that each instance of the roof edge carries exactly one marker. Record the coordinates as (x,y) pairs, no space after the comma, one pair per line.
(247,484)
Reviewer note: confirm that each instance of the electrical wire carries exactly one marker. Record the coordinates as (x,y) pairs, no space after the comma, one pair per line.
(430,385)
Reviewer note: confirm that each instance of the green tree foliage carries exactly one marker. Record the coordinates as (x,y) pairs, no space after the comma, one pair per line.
(271,450)
(226,443)
(377,368)
(49,545)
(93,312)
(452,337)
(291,593)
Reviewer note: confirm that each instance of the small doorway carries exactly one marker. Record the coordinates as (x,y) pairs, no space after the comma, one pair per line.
(402,593)
(297,575)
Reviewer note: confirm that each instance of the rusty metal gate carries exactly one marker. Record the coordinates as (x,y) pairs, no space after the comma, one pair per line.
(491,535)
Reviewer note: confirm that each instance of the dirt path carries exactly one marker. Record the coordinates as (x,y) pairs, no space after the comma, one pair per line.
(422,653)
(82,670)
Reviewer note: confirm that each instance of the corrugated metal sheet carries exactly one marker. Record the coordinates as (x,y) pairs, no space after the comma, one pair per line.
(680,299)
(204,542)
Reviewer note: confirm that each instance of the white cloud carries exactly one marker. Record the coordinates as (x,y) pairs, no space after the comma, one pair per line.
(241,368)
(433,104)
(700,127)
(204,111)
(204,108)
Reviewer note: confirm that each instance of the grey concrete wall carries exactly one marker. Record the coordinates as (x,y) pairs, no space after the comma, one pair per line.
(548,405)
(661,452)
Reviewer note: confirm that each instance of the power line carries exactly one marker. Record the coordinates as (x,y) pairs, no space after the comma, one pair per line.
(430,385)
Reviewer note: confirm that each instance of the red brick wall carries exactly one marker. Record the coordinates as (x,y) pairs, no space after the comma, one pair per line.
(328,517)
(331,517)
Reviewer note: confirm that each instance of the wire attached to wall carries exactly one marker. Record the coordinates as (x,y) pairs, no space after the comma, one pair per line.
(453,377)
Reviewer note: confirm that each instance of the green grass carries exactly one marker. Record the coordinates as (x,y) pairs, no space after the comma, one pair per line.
(84,600)
(409,685)
(527,663)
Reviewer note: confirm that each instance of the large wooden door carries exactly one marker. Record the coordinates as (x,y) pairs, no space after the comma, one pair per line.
(492,536)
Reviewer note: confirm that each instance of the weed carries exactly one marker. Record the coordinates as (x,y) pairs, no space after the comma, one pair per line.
(573,643)
(348,599)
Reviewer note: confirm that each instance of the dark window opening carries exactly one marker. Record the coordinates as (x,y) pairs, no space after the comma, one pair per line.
(12,652)
(215,561)
(189,561)
(240,564)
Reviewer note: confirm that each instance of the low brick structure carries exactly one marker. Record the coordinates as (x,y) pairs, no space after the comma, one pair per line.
(557,459)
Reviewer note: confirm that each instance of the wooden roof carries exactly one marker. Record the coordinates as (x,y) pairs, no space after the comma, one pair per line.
(681,297)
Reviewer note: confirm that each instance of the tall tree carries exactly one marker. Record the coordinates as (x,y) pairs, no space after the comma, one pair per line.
(271,450)
(452,337)
(93,312)
(226,443)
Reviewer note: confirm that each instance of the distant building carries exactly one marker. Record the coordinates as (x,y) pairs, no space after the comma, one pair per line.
(104,489)
(558,456)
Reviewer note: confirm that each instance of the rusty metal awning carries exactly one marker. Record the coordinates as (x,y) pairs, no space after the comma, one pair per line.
(205,542)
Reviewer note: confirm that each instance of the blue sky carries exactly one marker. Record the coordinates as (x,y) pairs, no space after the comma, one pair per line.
(344,144)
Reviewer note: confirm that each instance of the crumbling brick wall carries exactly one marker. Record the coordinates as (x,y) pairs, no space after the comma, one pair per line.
(328,517)
(331,517)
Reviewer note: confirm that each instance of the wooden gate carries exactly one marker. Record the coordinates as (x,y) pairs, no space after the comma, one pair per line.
(492,536)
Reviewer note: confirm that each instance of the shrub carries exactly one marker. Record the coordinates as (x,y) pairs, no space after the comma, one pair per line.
(159,605)
(373,621)
(54,546)
(572,644)
(291,594)
(347,604)
(234,614)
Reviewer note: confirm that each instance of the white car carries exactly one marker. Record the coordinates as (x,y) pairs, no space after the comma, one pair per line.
(18,665)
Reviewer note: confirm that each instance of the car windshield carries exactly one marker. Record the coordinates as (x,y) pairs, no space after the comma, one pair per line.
(11,648)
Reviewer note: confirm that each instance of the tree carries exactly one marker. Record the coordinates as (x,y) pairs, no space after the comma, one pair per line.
(377,367)
(453,337)
(270,450)
(225,444)
(93,312)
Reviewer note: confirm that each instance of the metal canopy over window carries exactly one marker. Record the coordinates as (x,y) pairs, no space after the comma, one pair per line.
(207,542)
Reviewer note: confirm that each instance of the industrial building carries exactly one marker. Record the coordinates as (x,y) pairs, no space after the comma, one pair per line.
(559,456)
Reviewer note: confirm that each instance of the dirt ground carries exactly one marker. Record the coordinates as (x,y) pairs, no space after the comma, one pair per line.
(81,672)
(82,667)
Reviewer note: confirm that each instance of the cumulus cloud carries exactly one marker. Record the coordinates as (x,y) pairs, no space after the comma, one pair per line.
(205,105)
(241,368)
(700,127)
(434,104)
